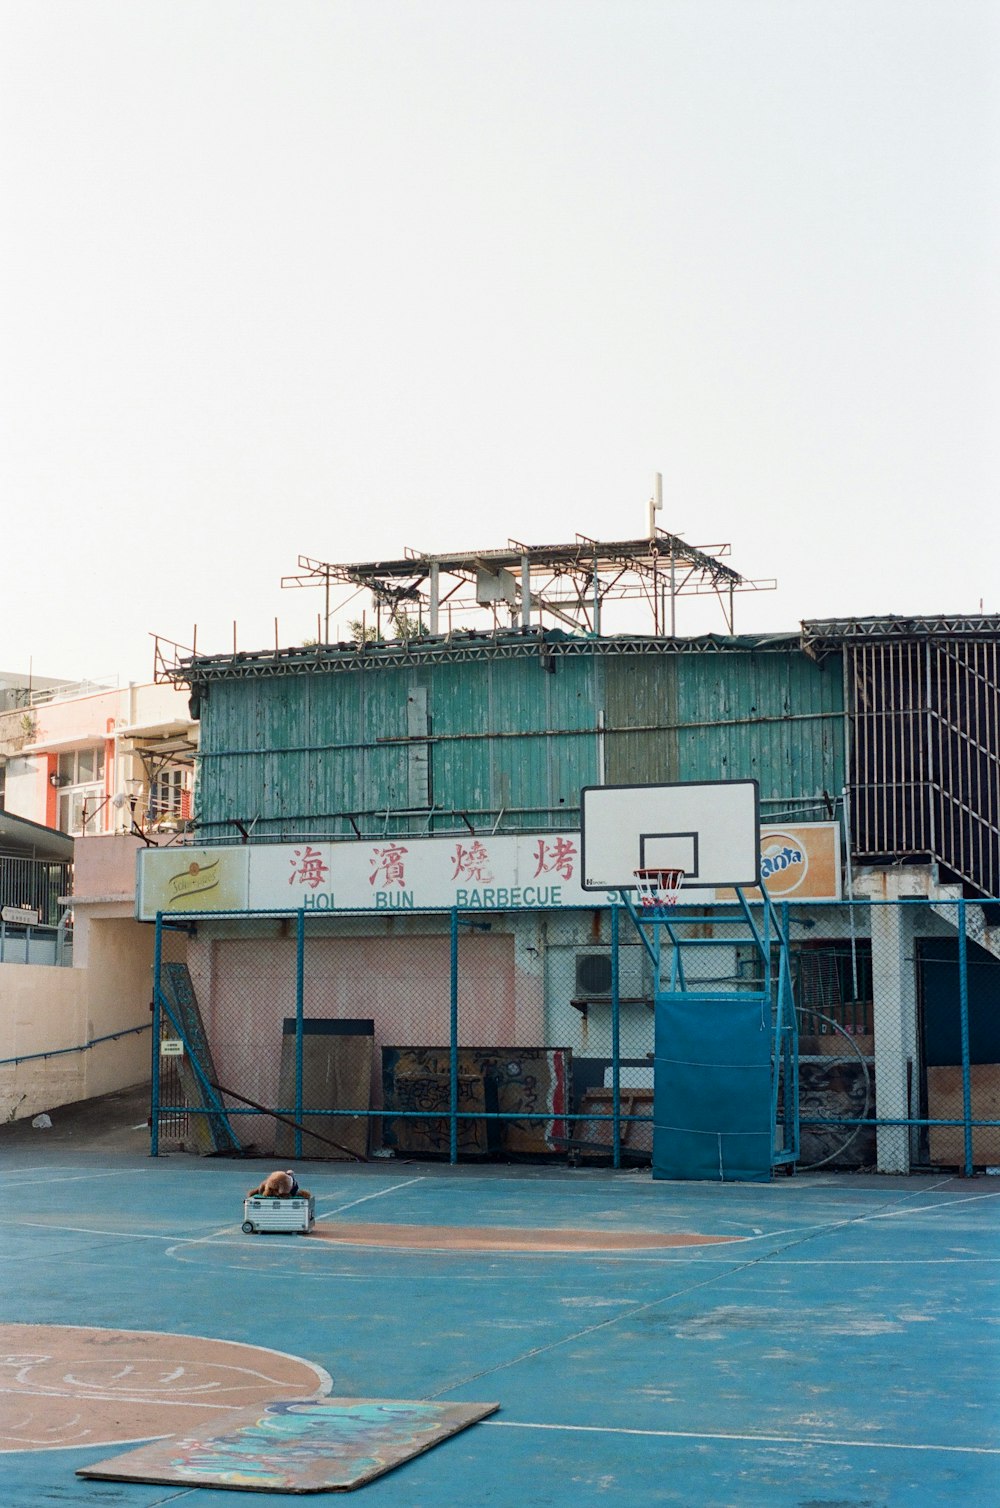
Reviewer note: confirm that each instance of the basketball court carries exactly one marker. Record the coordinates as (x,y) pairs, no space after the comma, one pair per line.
(698,1333)
(817,1340)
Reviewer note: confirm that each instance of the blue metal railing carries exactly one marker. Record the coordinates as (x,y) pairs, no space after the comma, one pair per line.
(779,971)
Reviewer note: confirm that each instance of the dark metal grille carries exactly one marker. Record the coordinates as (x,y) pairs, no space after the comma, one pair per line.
(35,884)
(925,778)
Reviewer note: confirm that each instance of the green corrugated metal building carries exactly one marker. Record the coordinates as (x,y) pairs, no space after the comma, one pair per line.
(502,731)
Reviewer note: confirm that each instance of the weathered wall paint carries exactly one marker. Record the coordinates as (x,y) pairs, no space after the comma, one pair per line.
(509,739)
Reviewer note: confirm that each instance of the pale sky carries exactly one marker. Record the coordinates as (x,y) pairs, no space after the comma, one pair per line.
(345,277)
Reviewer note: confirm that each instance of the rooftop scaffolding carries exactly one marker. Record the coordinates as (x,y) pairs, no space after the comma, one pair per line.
(532,585)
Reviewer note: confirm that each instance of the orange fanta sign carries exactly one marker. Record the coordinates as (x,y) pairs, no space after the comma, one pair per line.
(799,862)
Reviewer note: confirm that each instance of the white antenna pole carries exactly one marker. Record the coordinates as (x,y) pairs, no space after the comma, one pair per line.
(655,503)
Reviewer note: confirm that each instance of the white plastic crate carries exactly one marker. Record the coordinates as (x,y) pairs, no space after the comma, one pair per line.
(297,1215)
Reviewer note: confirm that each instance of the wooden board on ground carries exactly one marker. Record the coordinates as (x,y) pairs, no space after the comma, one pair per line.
(312,1445)
(337,1058)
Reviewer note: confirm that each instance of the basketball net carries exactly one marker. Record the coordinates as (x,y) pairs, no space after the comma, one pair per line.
(658,888)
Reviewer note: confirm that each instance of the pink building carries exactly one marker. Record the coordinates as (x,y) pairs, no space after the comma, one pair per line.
(91,759)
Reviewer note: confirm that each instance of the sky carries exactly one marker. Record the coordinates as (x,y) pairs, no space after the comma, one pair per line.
(347,277)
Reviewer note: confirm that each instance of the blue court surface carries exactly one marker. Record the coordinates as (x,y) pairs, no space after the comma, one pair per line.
(840,1350)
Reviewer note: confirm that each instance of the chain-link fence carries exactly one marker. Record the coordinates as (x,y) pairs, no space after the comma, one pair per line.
(529,1035)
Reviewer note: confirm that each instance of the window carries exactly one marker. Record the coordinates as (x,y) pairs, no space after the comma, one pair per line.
(831,981)
(81,766)
(833,986)
(170,795)
(76,806)
(81,781)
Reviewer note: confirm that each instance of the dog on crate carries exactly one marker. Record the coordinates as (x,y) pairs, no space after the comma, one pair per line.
(279,1185)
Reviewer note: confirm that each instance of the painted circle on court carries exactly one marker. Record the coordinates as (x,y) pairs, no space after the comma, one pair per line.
(69,1387)
(464,1238)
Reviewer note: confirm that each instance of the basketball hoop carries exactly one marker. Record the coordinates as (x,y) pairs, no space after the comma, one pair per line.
(658,889)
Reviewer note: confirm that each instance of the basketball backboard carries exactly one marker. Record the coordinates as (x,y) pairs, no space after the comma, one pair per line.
(710,829)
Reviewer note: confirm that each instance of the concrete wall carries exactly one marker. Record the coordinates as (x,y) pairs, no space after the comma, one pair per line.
(103,871)
(43,1010)
(108,990)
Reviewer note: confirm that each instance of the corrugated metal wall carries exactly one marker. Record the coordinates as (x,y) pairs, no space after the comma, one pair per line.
(513,740)
(776,717)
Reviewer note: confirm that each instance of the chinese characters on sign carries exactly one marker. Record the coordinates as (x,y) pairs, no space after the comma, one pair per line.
(308,867)
(472,863)
(556,856)
(458,872)
(388,866)
(495,871)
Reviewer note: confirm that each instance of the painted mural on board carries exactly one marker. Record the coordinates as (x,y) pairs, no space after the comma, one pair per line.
(520,872)
(308,1445)
(531,1082)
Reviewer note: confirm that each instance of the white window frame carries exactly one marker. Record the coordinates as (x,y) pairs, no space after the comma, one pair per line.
(72,796)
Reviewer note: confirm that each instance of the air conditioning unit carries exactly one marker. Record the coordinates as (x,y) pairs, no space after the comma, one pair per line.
(593,974)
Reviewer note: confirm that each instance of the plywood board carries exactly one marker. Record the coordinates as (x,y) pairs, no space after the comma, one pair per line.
(312,1445)
(336,1075)
(597,1136)
(945,1103)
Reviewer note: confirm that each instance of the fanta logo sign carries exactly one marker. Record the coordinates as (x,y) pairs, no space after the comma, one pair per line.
(784,864)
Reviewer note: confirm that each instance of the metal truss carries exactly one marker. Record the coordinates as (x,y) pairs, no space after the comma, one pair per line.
(824,636)
(175,663)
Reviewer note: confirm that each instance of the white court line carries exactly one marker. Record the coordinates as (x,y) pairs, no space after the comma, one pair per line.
(690,1434)
(365,1197)
(44,1167)
(878,1261)
(169,1403)
(87,1230)
(215,1238)
(847,1220)
(32,1182)
(921,1209)
(323,1275)
(810,1234)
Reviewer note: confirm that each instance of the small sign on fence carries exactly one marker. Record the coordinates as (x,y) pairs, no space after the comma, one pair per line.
(171,1047)
(21,916)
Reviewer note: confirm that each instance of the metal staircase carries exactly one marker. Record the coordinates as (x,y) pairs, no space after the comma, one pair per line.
(925,763)
(978,928)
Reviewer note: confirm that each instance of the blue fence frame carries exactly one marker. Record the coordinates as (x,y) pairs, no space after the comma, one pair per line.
(214,1104)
